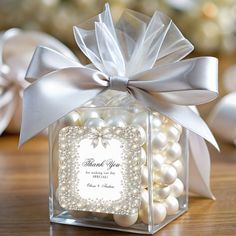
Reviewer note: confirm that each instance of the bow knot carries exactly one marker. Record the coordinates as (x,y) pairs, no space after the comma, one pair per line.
(119,83)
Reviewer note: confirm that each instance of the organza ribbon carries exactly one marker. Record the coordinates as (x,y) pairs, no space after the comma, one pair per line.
(140,55)
(222,118)
(16,50)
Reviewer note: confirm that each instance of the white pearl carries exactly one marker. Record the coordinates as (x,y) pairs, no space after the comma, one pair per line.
(173,134)
(125,220)
(89,114)
(172,205)
(116,121)
(166,176)
(143,156)
(159,141)
(94,122)
(140,119)
(144,176)
(142,134)
(73,118)
(159,213)
(156,123)
(157,161)
(160,193)
(173,151)
(177,188)
(144,198)
(178,166)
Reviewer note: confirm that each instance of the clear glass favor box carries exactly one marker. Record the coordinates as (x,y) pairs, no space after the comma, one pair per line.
(116,165)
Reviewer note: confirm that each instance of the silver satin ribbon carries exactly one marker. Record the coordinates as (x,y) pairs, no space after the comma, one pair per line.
(16,50)
(123,61)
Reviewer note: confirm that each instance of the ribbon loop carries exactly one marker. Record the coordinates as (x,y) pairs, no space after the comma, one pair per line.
(119,83)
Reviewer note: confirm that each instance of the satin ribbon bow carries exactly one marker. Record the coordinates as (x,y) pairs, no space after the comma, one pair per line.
(16,49)
(139,55)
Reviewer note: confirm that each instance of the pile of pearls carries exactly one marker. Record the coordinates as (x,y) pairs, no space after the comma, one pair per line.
(166,160)
(167,168)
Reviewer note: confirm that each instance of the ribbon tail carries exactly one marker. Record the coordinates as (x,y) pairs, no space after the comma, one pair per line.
(199,167)
(222,118)
(180,114)
(54,95)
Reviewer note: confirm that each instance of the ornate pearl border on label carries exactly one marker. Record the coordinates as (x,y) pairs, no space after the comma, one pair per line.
(69,168)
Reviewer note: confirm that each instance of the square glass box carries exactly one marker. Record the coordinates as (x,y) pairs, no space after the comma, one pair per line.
(117,165)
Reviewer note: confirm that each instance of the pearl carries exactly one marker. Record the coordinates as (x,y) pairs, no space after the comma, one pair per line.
(144,198)
(173,151)
(159,213)
(79,214)
(89,114)
(142,134)
(116,121)
(177,188)
(178,166)
(157,161)
(73,118)
(160,193)
(144,176)
(159,141)
(140,119)
(143,156)
(172,205)
(173,134)
(125,220)
(167,175)
(95,122)
(156,123)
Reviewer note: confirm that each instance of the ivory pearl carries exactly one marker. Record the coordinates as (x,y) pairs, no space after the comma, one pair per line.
(116,121)
(173,134)
(142,134)
(143,156)
(94,122)
(144,176)
(159,213)
(89,114)
(157,161)
(73,118)
(156,123)
(160,193)
(172,205)
(177,188)
(166,176)
(178,166)
(140,119)
(173,151)
(125,220)
(159,141)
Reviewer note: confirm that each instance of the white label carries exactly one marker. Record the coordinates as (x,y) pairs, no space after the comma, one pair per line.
(99,169)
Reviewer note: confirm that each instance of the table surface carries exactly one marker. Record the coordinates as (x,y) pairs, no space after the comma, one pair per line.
(24,196)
